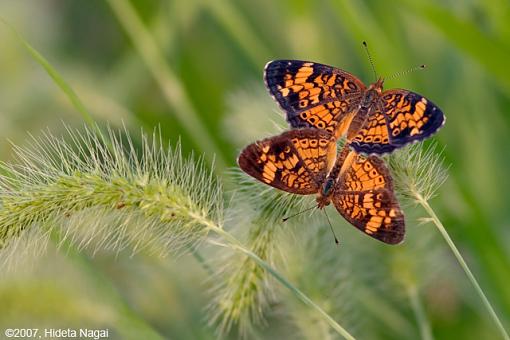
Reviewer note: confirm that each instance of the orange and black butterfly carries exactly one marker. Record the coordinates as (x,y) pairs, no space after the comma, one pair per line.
(305,162)
(325,97)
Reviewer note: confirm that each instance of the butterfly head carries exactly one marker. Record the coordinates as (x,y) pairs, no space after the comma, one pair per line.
(324,195)
(377,86)
(372,94)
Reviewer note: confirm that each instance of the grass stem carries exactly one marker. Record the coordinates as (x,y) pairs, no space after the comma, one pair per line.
(56,77)
(237,245)
(437,222)
(419,312)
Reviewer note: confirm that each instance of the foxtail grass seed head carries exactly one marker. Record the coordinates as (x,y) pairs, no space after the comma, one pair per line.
(100,191)
(418,171)
(242,289)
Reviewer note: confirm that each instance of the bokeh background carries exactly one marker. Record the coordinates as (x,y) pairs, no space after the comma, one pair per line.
(194,68)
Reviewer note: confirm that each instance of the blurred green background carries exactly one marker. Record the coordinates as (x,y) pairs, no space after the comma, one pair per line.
(203,84)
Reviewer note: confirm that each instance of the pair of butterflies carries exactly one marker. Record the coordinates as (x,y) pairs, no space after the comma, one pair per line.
(323,104)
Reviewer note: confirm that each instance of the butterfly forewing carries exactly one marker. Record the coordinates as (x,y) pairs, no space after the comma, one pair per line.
(296,161)
(364,196)
(312,94)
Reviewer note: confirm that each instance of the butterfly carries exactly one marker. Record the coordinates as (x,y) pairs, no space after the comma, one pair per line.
(305,162)
(325,97)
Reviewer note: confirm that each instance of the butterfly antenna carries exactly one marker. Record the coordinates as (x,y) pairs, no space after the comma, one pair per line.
(403,73)
(370,59)
(331,227)
(302,211)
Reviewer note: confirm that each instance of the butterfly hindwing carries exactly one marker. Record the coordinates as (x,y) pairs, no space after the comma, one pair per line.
(295,161)
(411,117)
(364,196)
(383,223)
(373,137)
(312,94)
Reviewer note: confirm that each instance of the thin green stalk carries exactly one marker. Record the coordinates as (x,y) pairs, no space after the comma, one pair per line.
(169,83)
(424,203)
(236,244)
(419,312)
(56,77)
(305,299)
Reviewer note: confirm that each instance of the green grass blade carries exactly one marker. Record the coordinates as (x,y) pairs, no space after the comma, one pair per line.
(55,76)
(419,313)
(169,83)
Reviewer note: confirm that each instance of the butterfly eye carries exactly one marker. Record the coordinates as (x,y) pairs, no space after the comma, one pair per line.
(287,149)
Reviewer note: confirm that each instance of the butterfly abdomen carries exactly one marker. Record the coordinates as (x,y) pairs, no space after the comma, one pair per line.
(358,121)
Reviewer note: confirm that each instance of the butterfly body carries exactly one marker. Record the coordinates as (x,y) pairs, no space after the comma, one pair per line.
(304,162)
(330,99)
(369,102)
